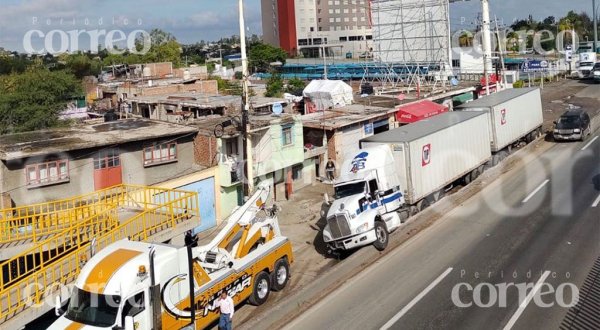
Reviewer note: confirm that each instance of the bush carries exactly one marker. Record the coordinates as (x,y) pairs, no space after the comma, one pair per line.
(519,84)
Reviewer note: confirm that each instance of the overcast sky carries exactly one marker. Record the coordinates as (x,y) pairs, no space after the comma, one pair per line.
(194,20)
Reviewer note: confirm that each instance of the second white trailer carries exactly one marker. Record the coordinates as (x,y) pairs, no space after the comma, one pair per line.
(433,153)
(515,115)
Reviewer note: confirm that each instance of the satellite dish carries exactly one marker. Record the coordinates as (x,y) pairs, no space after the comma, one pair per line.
(277,109)
(454,82)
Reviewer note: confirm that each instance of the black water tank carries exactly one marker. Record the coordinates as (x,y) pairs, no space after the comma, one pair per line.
(366,89)
(111,115)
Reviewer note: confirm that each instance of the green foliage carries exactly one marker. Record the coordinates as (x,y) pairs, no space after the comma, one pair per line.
(274,86)
(519,84)
(10,64)
(81,65)
(32,100)
(227,87)
(261,55)
(295,86)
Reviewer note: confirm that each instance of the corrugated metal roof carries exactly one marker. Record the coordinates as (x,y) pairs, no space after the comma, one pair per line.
(424,127)
(497,98)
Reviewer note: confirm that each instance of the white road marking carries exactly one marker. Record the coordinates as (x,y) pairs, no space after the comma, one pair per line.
(589,143)
(596,202)
(524,303)
(415,300)
(535,191)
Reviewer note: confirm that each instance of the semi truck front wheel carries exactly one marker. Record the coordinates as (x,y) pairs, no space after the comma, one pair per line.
(382,235)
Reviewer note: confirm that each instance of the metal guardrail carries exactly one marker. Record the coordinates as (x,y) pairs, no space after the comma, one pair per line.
(159,208)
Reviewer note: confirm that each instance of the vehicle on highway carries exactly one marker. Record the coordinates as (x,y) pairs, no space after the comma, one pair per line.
(398,173)
(572,125)
(596,72)
(586,63)
(138,285)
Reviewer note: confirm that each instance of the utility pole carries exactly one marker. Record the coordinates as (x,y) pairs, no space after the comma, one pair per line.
(247,143)
(487,43)
(501,50)
(595,11)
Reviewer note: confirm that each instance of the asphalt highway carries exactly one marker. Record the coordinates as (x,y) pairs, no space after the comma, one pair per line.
(515,256)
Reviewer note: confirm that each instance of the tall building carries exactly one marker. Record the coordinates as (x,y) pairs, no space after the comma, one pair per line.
(307,27)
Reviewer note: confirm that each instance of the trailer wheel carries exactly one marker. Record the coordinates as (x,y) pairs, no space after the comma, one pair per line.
(413,211)
(280,275)
(260,290)
(475,174)
(382,236)
(529,138)
(423,204)
(404,215)
(467,178)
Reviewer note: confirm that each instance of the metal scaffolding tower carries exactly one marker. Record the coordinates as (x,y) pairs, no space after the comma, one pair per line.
(412,39)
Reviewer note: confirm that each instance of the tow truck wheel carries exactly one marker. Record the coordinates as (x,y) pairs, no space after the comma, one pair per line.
(260,292)
(280,275)
(381,233)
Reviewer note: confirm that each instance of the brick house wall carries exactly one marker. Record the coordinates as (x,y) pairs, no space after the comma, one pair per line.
(200,87)
(205,150)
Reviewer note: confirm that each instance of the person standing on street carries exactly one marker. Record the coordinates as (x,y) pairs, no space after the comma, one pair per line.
(330,169)
(225,304)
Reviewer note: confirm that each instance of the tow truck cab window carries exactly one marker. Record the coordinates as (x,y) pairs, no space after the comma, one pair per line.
(133,306)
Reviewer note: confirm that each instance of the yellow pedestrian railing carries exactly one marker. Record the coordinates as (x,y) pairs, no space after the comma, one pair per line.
(57,261)
(36,222)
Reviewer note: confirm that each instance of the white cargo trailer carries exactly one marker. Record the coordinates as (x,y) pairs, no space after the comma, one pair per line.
(433,153)
(515,115)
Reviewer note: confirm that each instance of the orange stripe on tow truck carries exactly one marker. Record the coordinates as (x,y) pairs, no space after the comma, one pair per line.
(106,268)
(74,326)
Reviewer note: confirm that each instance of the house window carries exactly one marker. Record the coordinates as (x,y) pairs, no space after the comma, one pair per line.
(286,135)
(107,158)
(47,173)
(159,153)
(231,147)
(297,172)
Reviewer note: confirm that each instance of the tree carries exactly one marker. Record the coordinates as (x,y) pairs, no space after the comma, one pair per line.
(274,86)
(465,39)
(261,55)
(163,48)
(81,65)
(33,100)
(295,86)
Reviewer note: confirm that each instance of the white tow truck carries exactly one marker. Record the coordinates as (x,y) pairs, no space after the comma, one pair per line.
(136,285)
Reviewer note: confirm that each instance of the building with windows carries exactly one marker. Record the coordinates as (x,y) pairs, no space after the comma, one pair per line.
(276,140)
(334,134)
(41,166)
(308,27)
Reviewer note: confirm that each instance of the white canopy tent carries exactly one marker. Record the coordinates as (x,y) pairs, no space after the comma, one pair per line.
(325,94)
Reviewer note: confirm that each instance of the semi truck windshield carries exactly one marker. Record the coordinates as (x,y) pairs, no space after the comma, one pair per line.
(350,189)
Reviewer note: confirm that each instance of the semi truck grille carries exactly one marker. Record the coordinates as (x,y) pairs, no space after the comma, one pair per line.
(338,224)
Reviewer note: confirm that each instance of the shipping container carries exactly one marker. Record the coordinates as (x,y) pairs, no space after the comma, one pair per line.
(515,114)
(433,153)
